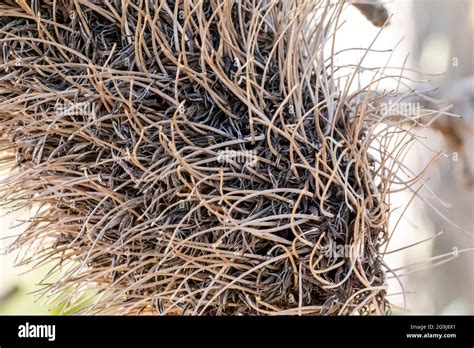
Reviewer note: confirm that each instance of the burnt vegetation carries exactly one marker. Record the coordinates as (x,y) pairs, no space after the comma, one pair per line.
(116,113)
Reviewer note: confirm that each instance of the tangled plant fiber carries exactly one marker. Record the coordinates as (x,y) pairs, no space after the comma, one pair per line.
(193,157)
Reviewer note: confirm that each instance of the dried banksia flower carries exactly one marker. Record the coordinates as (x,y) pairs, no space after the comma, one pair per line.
(194,157)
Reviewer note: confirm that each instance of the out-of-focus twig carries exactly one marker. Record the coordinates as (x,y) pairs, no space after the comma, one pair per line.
(375,12)
(8,294)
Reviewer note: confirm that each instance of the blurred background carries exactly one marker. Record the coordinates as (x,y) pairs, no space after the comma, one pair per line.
(435,38)
(434,41)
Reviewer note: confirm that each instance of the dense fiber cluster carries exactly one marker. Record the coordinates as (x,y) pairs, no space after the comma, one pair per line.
(192,157)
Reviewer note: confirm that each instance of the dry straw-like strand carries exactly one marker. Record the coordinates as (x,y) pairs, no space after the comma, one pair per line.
(194,157)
